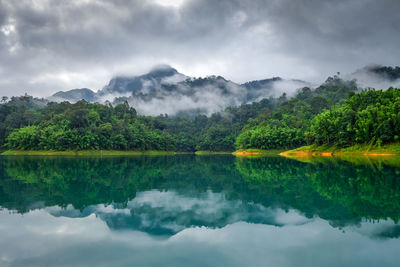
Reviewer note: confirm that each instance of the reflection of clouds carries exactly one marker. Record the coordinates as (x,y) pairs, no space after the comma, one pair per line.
(166,213)
(39,239)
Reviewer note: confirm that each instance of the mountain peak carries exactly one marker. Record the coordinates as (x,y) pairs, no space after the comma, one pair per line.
(162,71)
(162,67)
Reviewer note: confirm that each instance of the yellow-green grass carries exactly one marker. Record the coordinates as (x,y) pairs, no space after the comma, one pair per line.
(253,152)
(366,150)
(205,153)
(85,153)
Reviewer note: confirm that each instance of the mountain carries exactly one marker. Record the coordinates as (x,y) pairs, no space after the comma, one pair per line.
(146,83)
(74,95)
(275,86)
(164,90)
(203,95)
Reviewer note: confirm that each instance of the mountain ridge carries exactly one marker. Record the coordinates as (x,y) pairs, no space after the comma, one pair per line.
(165,90)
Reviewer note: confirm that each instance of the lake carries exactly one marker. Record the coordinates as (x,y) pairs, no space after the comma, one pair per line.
(188,210)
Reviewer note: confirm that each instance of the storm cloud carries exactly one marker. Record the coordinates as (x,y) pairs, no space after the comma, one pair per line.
(48,45)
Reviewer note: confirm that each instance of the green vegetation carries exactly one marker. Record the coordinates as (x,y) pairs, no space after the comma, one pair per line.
(368,121)
(287,126)
(85,126)
(370,118)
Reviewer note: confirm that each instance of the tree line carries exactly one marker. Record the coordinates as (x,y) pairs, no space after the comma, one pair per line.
(27,125)
(369,117)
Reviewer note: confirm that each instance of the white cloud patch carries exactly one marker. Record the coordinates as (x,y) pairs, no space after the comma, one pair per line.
(166,213)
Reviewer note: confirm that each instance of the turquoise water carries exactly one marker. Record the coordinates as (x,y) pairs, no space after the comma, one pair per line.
(188,210)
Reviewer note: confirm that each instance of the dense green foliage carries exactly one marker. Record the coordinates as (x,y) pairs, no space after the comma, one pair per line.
(370,117)
(286,126)
(80,126)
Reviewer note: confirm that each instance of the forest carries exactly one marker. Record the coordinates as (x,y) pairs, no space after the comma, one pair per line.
(335,113)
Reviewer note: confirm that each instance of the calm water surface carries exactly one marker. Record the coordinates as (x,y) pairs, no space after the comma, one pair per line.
(198,211)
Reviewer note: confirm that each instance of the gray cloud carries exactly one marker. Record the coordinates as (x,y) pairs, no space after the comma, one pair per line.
(47,45)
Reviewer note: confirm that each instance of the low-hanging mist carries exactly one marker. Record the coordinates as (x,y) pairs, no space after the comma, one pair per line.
(164,90)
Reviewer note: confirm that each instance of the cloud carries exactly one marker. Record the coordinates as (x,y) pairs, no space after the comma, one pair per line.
(212,96)
(48,46)
(366,77)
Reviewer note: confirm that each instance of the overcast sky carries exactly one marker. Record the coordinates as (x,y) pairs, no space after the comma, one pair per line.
(52,45)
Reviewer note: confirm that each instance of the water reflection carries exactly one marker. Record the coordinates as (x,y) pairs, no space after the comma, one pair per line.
(40,239)
(167,213)
(341,192)
(174,210)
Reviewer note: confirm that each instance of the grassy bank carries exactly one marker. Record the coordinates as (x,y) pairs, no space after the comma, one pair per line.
(252,152)
(205,153)
(357,150)
(86,153)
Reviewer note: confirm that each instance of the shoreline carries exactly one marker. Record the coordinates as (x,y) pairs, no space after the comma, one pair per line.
(207,153)
(257,152)
(389,150)
(100,153)
(307,153)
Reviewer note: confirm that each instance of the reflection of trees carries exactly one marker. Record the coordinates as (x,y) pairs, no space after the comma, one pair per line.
(85,181)
(366,191)
(332,189)
(337,191)
(286,183)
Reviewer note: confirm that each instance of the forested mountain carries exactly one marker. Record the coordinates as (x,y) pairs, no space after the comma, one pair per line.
(83,125)
(334,113)
(166,91)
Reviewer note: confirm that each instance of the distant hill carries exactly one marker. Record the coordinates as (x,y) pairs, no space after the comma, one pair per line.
(384,72)
(26,101)
(74,95)
(377,76)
